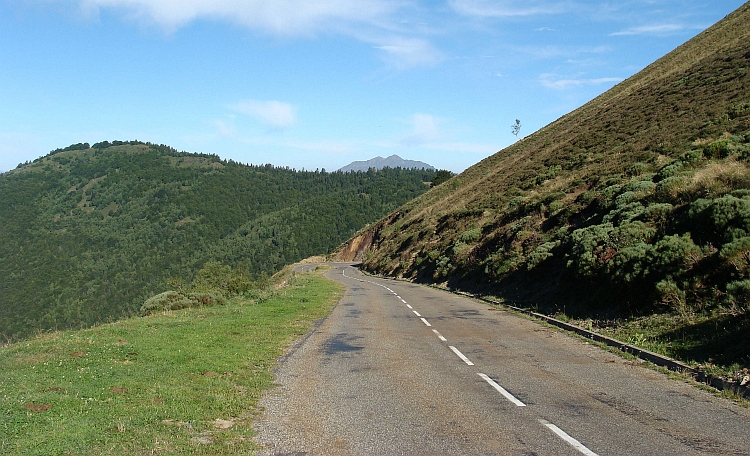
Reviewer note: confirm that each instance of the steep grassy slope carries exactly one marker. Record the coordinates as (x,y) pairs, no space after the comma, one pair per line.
(87,234)
(637,203)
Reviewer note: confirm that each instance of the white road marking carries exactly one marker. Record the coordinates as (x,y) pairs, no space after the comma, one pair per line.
(402,300)
(440,336)
(575,443)
(426,322)
(409,306)
(502,390)
(460,355)
(416,313)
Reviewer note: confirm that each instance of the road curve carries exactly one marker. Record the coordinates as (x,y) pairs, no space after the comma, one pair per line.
(399,368)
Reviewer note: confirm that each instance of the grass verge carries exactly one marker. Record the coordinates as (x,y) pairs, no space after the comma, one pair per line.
(182,382)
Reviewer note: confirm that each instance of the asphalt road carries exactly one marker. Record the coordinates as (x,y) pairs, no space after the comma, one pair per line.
(403,369)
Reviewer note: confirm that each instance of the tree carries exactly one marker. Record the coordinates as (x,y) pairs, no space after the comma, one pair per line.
(515,128)
(440,177)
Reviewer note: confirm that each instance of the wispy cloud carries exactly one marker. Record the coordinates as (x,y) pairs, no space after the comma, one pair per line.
(273,114)
(424,130)
(409,52)
(507,8)
(284,17)
(376,22)
(657,29)
(554,81)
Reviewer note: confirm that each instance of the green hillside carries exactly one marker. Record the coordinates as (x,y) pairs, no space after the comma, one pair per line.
(88,233)
(633,208)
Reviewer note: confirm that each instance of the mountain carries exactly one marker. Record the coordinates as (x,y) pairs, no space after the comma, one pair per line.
(89,232)
(394,161)
(637,204)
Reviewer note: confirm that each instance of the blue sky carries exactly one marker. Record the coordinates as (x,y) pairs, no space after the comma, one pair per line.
(319,83)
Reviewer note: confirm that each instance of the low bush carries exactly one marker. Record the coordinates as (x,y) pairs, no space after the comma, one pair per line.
(172,300)
(738,294)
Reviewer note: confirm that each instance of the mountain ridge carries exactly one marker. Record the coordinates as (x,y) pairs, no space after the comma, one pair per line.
(392,161)
(90,232)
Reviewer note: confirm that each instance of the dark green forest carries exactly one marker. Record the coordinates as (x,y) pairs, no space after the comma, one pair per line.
(87,233)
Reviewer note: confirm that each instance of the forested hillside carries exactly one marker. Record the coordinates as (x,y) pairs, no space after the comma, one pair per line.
(633,208)
(88,233)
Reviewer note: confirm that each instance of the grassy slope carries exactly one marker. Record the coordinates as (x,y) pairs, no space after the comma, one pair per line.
(506,225)
(154,385)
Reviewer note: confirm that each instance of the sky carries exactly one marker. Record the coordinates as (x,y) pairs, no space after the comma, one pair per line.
(317,84)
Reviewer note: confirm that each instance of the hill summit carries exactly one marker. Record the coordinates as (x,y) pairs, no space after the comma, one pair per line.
(636,204)
(394,161)
(90,232)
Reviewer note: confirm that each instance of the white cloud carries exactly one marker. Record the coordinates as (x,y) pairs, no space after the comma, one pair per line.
(506,8)
(409,52)
(225,128)
(284,17)
(424,130)
(273,114)
(659,29)
(554,81)
(376,22)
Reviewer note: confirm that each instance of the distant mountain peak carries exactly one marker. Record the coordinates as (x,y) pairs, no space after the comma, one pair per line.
(393,161)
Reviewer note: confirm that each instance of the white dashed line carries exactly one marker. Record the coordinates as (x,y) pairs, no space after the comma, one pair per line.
(461,355)
(409,306)
(416,313)
(502,391)
(440,336)
(426,322)
(575,443)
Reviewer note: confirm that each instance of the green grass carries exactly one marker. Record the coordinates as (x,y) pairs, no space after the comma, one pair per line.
(182,382)
(713,341)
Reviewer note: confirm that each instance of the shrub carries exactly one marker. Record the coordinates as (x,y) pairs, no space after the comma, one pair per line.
(160,302)
(541,253)
(724,219)
(215,276)
(640,186)
(742,152)
(669,170)
(669,188)
(625,214)
(658,213)
(636,169)
(624,198)
(471,235)
(717,149)
(671,294)
(738,294)
(630,264)
(590,249)
(172,300)
(673,255)
(737,254)
(691,157)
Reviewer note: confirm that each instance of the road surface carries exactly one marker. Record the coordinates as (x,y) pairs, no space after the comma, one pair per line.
(399,368)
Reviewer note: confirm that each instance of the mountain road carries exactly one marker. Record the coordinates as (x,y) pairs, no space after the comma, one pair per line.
(399,368)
